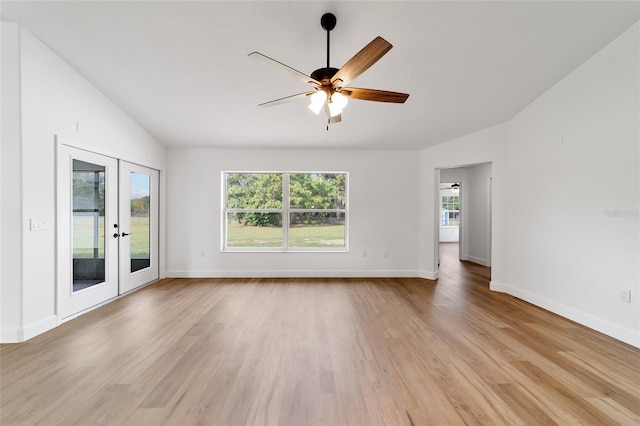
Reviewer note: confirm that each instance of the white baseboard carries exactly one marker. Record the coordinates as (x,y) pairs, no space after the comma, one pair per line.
(474,259)
(40,327)
(429,275)
(11,335)
(18,335)
(292,273)
(605,327)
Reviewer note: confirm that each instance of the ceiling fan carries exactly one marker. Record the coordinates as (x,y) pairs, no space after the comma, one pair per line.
(330,92)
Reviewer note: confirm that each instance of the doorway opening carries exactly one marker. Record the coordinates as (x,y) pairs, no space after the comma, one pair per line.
(464,203)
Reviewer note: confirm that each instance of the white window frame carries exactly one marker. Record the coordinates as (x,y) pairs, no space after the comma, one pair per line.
(285,211)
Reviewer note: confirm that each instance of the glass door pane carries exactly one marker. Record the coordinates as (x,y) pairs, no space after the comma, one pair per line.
(140,241)
(88,223)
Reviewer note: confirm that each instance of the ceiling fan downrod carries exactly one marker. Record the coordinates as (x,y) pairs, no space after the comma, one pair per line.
(328,22)
(323,75)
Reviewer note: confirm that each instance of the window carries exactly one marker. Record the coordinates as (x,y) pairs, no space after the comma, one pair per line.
(284,211)
(450,210)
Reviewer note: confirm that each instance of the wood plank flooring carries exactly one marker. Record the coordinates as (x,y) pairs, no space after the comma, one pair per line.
(402,351)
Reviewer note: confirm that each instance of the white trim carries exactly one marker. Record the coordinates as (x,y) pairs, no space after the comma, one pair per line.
(40,327)
(106,302)
(293,273)
(437,205)
(19,335)
(429,275)
(623,334)
(12,335)
(478,260)
(73,144)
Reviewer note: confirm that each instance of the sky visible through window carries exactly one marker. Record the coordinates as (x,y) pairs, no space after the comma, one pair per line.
(139,185)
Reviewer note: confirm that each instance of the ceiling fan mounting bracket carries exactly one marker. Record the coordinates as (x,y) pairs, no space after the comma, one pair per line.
(328,21)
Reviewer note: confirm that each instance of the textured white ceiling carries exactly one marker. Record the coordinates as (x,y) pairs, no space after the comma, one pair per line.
(180,68)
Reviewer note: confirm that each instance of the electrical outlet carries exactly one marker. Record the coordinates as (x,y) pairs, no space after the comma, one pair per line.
(624,295)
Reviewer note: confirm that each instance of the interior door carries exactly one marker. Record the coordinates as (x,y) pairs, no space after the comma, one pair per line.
(88,235)
(138,225)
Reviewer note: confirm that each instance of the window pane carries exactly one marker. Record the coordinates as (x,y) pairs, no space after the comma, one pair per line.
(450,202)
(254,190)
(450,210)
(317,230)
(254,229)
(139,239)
(88,226)
(317,190)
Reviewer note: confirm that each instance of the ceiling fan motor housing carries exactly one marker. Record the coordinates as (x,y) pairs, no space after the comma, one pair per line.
(324,75)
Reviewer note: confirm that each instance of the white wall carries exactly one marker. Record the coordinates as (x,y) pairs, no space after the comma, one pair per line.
(574,229)
(10,187)
(383,210)
(566,191)
(53,100)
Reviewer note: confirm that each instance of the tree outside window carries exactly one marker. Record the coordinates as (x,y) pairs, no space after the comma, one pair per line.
(285,211)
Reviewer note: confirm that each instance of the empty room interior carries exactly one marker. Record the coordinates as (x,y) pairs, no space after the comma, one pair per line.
(320,212)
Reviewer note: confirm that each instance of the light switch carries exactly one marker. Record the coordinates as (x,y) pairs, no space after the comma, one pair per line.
(38,224)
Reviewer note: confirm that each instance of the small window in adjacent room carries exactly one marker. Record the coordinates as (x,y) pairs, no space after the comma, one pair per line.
(450,210)
(285,211)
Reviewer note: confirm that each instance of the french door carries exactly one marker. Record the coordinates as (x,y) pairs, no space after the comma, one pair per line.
(138,225)
(107,239)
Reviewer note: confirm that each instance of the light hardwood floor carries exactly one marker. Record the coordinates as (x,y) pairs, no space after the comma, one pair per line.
(364,351)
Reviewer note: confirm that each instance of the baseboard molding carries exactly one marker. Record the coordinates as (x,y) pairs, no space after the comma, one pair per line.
(474,259)
(293,273)
(19,335)
(40,327)
(605,327)
(11,335)
(429,275)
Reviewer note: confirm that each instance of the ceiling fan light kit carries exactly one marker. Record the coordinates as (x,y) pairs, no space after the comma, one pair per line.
(330,92)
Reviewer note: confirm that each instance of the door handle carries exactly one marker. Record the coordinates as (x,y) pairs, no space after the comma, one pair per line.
(124,234)
(116,235)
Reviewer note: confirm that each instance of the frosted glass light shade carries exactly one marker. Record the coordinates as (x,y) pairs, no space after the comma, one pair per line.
(337,104)
(317,101)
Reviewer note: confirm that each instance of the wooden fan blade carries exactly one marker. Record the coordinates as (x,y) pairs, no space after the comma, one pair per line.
(282,67)
(287,99)
(361,61)
(374,95)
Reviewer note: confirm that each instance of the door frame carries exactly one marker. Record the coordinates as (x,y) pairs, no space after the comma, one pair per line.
(59,142)
(463,214)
